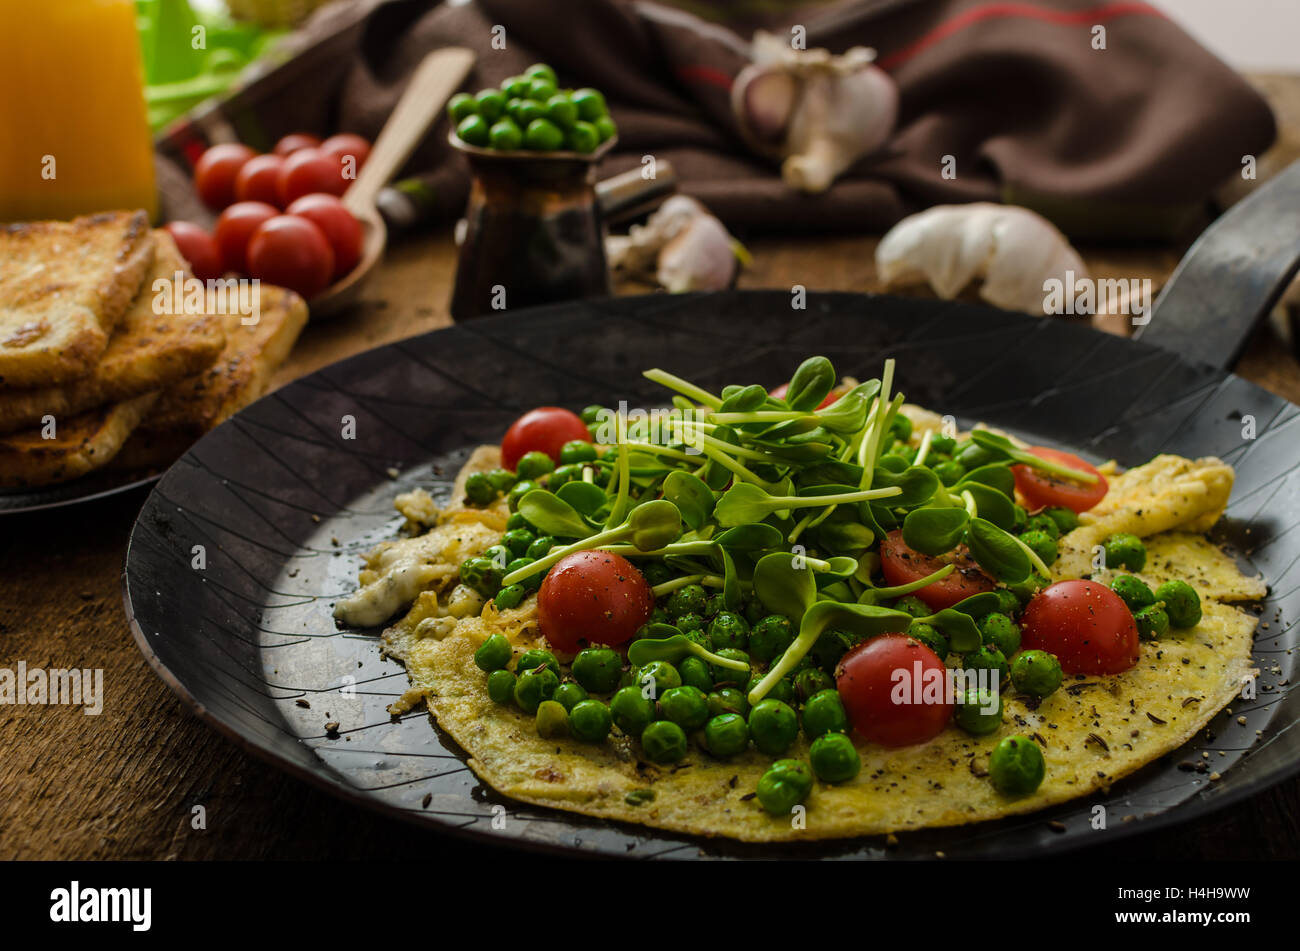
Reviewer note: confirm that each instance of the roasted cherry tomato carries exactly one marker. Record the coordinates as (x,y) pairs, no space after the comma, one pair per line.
(1042,489)
(592,597)
(198,248)
(259,179)
(545,429)
(291,252)
(902,565)
(215,171)
(307,171)
(1085,624)
(784,388)
(346,144)
(294,141)
(235,229)
(895,690)
(341,229)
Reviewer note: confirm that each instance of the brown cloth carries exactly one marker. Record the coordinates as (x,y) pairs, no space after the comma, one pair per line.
(1125,141)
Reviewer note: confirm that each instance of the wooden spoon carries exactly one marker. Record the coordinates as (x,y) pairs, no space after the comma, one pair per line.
(438,76)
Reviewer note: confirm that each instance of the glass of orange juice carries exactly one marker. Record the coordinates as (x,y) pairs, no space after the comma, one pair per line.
(72,110)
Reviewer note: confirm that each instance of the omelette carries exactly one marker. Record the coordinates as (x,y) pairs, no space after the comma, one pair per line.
(1092,731)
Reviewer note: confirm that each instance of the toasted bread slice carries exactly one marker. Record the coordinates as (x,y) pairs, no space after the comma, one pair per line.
(240,375)
(78,444)
(149,351)
(64,285)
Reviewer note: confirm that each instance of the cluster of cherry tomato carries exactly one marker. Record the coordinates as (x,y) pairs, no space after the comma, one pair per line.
(282,220)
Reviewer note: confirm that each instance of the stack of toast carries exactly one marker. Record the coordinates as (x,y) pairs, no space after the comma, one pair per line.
(97,365)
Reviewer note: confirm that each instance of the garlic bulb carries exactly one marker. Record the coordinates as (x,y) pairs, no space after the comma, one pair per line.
(819,113)
(1013,250)
(685,247)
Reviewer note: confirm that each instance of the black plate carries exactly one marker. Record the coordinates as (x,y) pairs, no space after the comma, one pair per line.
(89,488)
(283,507)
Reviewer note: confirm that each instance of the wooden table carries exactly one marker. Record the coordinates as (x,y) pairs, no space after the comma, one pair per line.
(124,784)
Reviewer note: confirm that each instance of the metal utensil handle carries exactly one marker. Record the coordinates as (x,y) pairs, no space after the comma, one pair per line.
(1232,276)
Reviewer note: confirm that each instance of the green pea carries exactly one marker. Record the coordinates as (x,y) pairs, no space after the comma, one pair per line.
(1152,622)
(824,713)
(690,622)
(726,734)
(658,676)
(632,712)
(503,480)
(754,611)
(517,541)
(1024,591)
(773,726)
(590,103)
(1019,518)
(516,520)
(782,690)
(592,414)
(930,636)
(590,721)
(520,489)
(1008,603)
(942,444)
(729,630)
(474,130)
(552,719)
(481,574)
(986,658)
(1066,519)
(1132,591)
(998,630)
(725,675)
(569,695)
(493,654)
(1044,523)
(978,712)
(533,686)
(582,137)
(505,135)
(786,783)
(1036,673)
(949,472)
(540,547)
(499,555)
(515,86)
(834,758)
(688,707)
(1041,544)
(812,681)
(689,599)
(533,465)
(577,451)
(716,605)
(663,741)
(1016,766)
(501,686)
(491,104)
(598,669)
(529,111)
(561,110)
(728,700)
(770,637)
(540,71)
(564,475)
(913,605)
(605,128)
(531,659)
(532,582)
(1125,551)
(656,573)
(461,106)
(1182,603)
(479,489)
(696,673)
(972,455)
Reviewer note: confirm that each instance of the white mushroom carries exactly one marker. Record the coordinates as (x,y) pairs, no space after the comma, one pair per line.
(682,245)
(817,112)
(1012,250)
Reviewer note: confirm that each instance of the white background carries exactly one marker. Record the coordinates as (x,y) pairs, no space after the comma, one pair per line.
(1260,35)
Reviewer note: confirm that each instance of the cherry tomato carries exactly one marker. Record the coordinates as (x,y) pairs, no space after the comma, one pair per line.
(294,141)
(291,252)
(780,391)
(259,179)
(341,229)
(1043,489)
(1085,624)
(198,248)
(593,597)
(344,144)
(215,171)
(545,429)
(235,229)
(307,171)
(895,690)
(902,565)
